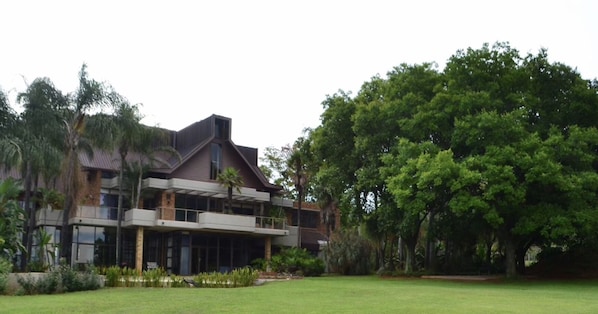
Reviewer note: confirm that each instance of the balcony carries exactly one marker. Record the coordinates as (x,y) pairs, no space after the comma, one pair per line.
(185,219)
(95,215)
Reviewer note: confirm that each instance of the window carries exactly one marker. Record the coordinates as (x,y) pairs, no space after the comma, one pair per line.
(216,160)
(222,129)
(309,219)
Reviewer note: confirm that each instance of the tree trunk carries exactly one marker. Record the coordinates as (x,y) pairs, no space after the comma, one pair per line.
(520,253)
(230,200)
(510,257)
(119,209)
(299,217)
(138,195)
(410,255)
(430,247)
(30,210)
(489,255)
(66,233)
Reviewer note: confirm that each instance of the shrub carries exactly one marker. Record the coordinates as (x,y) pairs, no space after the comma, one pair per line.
(28,285)
(178,282)
(297,261)
(349,253)
(49,284)
(112,276)
(242,277)
(5,267)
(130,277)
(153,277)
(63,279)
(259,264)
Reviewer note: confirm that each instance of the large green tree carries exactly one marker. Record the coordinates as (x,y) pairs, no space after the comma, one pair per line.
(480,152)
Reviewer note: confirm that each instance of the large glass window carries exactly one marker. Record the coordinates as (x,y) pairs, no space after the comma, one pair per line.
(309,219)
(216,160)
(108,206)
(95,245)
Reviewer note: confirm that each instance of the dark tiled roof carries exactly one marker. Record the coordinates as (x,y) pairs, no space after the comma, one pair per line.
(310,238)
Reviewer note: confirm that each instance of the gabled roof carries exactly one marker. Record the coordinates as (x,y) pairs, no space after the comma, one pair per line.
(188,142)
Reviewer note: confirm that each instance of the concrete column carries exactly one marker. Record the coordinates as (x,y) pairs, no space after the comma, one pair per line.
(139,250)
(268,248)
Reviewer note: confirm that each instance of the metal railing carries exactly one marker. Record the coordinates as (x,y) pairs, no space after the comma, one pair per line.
(192,215)
(98,212)
(270,222)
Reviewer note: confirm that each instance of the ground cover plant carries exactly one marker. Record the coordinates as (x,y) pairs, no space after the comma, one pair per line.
(328,295)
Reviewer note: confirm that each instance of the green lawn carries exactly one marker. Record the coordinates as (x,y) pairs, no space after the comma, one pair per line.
(327,295)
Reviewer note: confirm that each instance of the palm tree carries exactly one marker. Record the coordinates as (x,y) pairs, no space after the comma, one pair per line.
(129,136)
(152,151)
(230,179)
(126,131)
(10,151)
(297,167)
(89,95)
(38,137)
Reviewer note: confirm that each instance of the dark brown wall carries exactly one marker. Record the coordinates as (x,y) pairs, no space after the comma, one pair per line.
(198,167)
(231,158)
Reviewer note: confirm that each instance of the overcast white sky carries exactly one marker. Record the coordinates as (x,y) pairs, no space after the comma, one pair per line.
(268,65)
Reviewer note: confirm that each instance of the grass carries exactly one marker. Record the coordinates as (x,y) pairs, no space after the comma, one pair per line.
(327,295)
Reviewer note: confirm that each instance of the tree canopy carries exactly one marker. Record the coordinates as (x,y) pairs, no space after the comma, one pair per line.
(495,152)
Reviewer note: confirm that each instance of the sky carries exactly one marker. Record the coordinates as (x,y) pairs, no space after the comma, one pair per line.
(267,65)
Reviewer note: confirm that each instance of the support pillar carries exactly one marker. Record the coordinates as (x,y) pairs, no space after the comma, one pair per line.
(268,248)
(139,251)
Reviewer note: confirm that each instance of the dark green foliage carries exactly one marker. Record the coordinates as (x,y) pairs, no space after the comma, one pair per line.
(5,268)
(62,279)
(497,150)
(50,283)
(11,219)
(78,280)
(298,262)
(556,262)
(259,264)
(349,253)
(28,285)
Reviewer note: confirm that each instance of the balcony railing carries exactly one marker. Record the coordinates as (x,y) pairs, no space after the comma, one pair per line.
(98,212)
(191,215)
(270,222)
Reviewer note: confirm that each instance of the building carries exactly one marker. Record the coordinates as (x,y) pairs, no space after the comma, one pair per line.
(182,223)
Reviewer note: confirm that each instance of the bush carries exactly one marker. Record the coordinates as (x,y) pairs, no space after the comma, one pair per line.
(49,284)
(5,268)
(298,262)
(349,253)
(28,285)
(178,282)
(63,279)
(242,277)
(153,277)
(259,264)
(112,276)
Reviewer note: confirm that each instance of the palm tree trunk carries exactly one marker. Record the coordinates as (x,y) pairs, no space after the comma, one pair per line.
(30,210)
(119,209)
(230,200)
(70,202)
(299,216)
